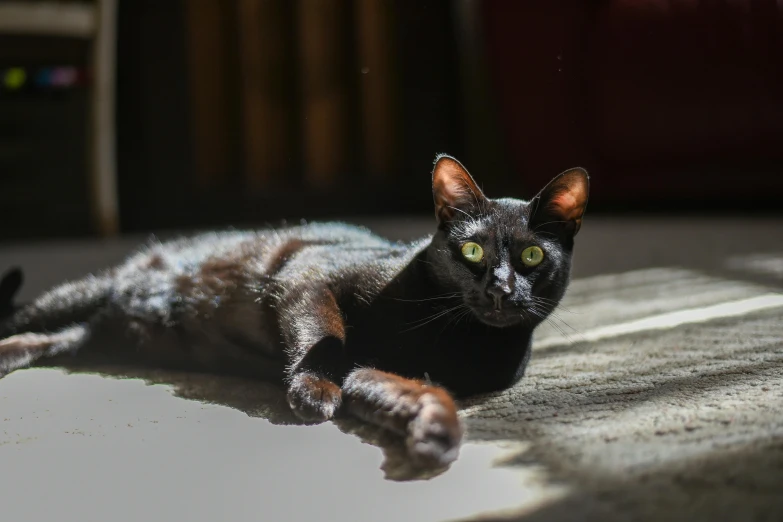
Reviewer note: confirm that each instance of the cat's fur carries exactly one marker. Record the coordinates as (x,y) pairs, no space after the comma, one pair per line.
(348,320)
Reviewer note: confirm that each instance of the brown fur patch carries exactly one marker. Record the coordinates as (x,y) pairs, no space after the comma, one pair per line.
(313,398)
(329,313)
(277,258)
(425,414)
(156,262)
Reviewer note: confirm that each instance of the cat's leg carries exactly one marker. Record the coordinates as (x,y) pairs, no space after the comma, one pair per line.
(314,332)
(22,350)
(66,304)
(423,413)
(54,323)
(313,396)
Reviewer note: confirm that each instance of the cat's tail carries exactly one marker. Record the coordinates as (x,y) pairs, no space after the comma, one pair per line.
(9,285)
(66,304)
(56,322)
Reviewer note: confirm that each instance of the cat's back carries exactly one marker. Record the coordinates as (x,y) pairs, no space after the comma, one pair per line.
(231,270)
(231,258)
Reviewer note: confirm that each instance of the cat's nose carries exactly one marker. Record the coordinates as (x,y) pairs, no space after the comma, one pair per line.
(498,294)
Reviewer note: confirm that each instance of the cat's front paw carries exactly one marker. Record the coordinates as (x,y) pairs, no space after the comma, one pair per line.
(435,433)
(313,398)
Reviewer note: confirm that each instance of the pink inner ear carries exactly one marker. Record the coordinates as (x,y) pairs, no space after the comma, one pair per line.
(456,189)
(452,183)
(453,188)
(570,203)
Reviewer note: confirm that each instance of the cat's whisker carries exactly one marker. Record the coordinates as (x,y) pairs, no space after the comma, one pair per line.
(560,308)
(429,319)
(424,261)
(446,296)
(527,318)
(558,328)
(556,315)
(435,315)
(455,319)
(545,315)
(554,304)
(545,300)
(553,319)
(461,316)
(575,330)
(360,297)
(537,313)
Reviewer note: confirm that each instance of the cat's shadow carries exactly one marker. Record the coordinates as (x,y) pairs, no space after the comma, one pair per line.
(259,399)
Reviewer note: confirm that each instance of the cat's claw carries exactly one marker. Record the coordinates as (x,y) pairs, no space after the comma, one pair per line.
(434,435)
(313,398)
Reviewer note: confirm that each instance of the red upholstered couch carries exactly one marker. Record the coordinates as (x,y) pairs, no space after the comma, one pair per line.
(665,101)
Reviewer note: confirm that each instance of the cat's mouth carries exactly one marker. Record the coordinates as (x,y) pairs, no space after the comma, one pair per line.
(498,318)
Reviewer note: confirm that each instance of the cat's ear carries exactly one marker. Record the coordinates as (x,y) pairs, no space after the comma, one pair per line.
(561,204)
(454,190)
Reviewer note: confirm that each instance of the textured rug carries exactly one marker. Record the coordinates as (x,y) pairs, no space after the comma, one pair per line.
(674,410)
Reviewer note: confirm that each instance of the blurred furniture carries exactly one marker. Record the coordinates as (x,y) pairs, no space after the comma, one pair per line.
(674,104)
(247,112)
(94,22)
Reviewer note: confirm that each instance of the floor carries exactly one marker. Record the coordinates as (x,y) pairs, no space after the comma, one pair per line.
(656,393)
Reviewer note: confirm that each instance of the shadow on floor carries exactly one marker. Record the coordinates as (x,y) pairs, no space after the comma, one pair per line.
(722,485)
(258,399)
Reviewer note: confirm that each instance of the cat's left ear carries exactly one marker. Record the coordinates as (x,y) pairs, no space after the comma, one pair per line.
(454,190)
(562,203)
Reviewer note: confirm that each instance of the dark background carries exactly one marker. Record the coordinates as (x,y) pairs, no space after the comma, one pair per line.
(251,111)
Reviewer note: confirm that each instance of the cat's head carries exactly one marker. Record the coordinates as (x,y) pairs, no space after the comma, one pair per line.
(510,258)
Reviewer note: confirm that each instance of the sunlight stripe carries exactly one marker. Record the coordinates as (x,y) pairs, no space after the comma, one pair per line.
(670,320)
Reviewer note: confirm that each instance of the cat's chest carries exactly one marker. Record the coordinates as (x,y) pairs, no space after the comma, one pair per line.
(465,356)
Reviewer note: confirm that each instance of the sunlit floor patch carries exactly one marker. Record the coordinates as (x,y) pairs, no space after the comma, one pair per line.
(120,450)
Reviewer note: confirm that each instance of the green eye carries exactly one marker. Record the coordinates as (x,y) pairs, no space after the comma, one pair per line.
(473,252)
(532,256)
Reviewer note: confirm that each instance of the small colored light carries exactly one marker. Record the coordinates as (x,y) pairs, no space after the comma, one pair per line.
(63,76)
(42,78)
(14,78)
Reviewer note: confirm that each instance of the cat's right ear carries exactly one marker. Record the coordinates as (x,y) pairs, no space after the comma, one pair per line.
(454,190)
(561,204)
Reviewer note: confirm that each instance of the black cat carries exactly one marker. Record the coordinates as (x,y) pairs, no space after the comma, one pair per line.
(348,320)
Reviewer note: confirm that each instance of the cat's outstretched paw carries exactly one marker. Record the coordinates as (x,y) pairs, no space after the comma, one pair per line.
(313,398)
(17,351)
(435,433)
(21,350)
